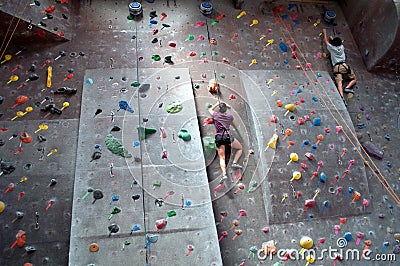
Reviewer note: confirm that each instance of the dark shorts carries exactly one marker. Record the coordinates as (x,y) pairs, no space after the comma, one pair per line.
(220,141)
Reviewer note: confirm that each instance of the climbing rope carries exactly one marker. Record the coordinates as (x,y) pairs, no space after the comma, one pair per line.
(15,28)
(9,27)
(140,148)
(212,60)
(376,172)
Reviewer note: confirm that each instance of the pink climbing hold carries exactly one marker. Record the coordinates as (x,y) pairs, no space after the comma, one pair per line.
(337,229)
(190,249)
(218,188)
(164,154)
(160,224)
(199,24)
(365,203)
(242,213)
(163,133)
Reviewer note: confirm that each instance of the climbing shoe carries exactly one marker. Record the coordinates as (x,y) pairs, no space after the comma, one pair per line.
(223,178)
(348,90)
(238,166)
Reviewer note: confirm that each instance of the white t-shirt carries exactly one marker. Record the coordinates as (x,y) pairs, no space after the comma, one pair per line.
(337,53)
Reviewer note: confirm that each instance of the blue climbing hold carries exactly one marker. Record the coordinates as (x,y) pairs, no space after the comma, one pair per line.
(124,105)
(283,47)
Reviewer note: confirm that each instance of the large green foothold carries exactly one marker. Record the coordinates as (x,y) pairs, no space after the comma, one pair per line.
(208,105)
(115,146)
(209,146)
(184,134)
(174,107)
(144,132)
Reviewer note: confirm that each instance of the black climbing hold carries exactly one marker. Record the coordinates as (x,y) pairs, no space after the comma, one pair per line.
(42,24)
(96,155)
(32,68)
(53,182)
(52,109)
(155,40)
(33,77)
(41,138)
(144,87)
(98,111)
(168,60)
(65,90)
(64,16)
(2,142)
(136,197)
(115,128)
(153,14)
(113,228)
(6,168)
(1,99)
(159,202)
(97,194)
(29,249)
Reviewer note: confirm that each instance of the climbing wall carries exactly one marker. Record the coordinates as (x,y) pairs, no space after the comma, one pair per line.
(45,21)
(158,190)
(318,126)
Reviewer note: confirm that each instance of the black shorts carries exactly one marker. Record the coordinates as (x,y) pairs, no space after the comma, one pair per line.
(223,140)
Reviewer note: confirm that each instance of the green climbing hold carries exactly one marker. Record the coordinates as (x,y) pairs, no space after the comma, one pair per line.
(115,146)
(174,107)
(222,75)
(143,132)
(156,183)
(130,17)
(214,22)
(202,54)
(184,134)
(156,57)
(171,213)
(208,105)
(209,147)
(135,84)
(190,37)
(196,86)
(214,53)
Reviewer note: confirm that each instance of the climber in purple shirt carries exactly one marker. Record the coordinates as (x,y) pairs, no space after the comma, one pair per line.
(223,136)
